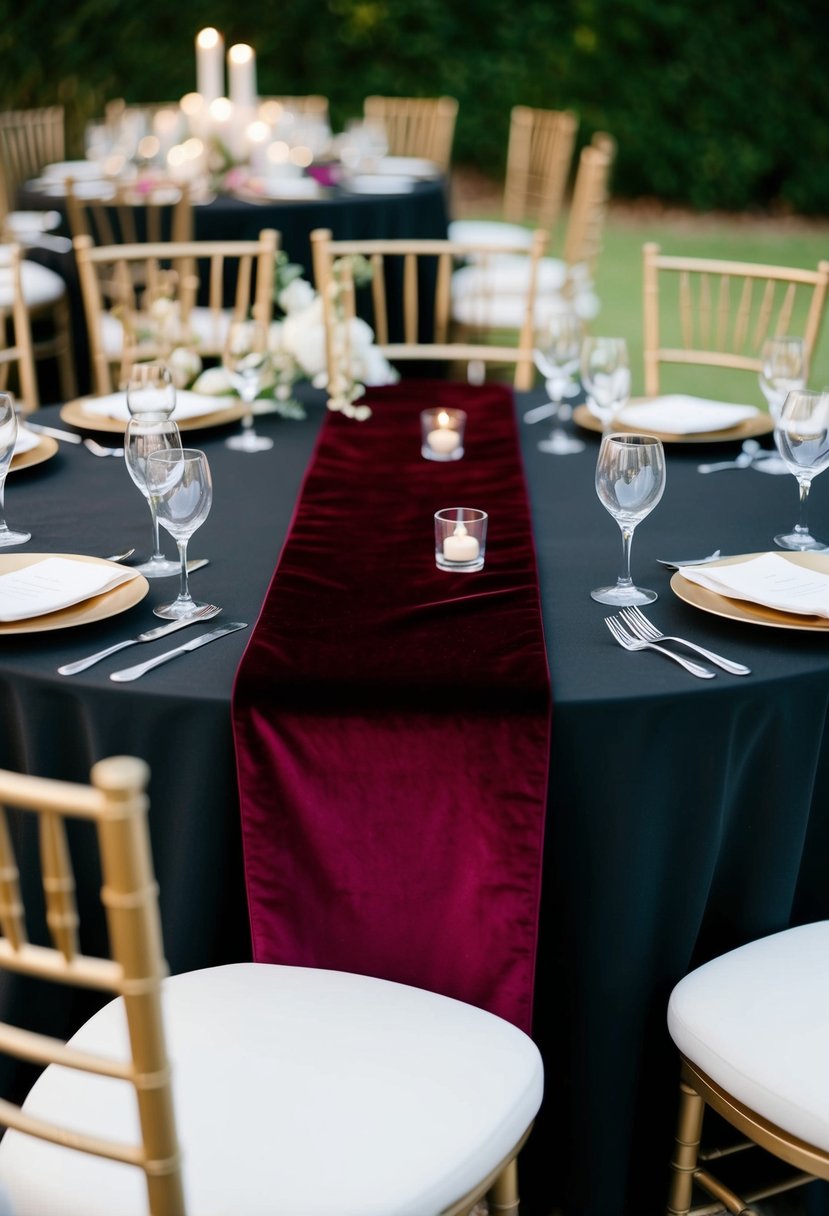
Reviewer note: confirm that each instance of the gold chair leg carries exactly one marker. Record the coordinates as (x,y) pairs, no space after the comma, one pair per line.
(65,355)
(503,1195)
(686,1151)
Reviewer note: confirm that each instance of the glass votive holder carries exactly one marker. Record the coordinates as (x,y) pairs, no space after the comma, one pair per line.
(441,433)
(460,539)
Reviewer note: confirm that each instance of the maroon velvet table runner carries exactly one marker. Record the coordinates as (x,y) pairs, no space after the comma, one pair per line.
(392,720)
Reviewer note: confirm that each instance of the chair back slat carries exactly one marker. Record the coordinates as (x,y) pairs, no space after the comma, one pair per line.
(12,922)
(539,155)
(416,126)
(116,805)
(717,313)
(29,140)
(17,364)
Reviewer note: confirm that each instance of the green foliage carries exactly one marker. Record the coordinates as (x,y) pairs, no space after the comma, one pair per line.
(712,105)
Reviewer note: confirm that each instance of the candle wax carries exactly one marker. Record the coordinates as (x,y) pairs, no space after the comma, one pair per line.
(461,548)
(443,440)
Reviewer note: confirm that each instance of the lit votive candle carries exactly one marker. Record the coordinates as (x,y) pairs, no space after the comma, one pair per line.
(442,434)
(460,539)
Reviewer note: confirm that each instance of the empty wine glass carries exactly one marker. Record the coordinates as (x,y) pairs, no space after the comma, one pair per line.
(556,355)
(8,439)
(179,480)
(151,393)
(802,437)
(147,434)
(247,361)
(630,479)
(605,374)
(782,368)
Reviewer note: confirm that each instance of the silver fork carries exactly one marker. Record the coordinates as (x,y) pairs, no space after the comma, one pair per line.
(201,614)
(648,632)
(98,449)
(629,642)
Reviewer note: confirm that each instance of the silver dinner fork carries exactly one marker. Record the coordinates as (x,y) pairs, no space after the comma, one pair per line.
(639,624)
(204,613)
(98,449)
(629,642)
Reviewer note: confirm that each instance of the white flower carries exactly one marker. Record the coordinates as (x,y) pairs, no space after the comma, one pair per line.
(213,382)
(296,296)
(184,366)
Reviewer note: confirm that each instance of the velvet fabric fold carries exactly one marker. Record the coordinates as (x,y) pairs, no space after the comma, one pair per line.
(391,720)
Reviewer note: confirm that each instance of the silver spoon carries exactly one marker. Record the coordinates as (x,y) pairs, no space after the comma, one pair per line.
(746,458)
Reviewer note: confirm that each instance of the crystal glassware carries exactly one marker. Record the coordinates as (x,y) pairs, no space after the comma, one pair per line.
(605,374)
(247,361)
(179,480)
(801,434)
(782,368)
(8,439)
(556,355)
(630,480)
(151,393)
(146,434)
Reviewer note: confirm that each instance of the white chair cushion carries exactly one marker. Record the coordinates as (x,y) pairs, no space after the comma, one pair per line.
(754,1020)
(41,286)
(328,1095)
(490,232)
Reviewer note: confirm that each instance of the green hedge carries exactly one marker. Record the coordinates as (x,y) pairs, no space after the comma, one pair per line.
(716,106)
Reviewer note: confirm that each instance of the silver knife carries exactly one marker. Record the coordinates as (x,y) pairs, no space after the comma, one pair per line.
(66,436)
(132,673)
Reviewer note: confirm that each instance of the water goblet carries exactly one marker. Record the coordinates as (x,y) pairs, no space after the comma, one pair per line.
(782,368)
(146,434)
(246,360)
(801,434)
(556,355)
(8,439)
(630,480)
(179,480)
(605,374)
(151,393)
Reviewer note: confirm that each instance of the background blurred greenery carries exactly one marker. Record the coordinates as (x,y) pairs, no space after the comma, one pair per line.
(720,105)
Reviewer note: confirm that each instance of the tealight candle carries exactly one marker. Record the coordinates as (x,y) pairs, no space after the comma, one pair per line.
(442,434)
(460,546)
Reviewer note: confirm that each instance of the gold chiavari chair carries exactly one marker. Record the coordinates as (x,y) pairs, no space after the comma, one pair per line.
(716,313)
(16,355)
(245,1088)
(161,211)
(423,272)
(29,140)
(750,1027)
(539,154)
(416,126)
(566,282)
(124,287)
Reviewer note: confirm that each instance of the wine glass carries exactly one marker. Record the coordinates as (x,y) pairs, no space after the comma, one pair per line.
(179,480)
(556,355)
(630,479)
(605,374)
(151,392)
(147,434)
(782,368)
(8,439)
(247,361)
(802,437)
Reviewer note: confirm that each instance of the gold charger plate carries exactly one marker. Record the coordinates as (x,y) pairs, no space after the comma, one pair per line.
(75,415)
(44,450)
(760,424)
(98,608)
(743,610)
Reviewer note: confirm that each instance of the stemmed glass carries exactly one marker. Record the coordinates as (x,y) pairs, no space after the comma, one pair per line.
(179,480)
(782,368)
(151,393)
(147,434)
(8,439)
(556,355)
(802,437)
(246,359)
(630,479)
(605,374)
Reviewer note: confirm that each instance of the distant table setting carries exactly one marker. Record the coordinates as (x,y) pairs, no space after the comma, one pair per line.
(680,816)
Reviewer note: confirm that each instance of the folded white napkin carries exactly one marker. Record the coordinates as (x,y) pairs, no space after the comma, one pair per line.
(768,579)
(26,440)
(680,415)
(188,405)
(55,583)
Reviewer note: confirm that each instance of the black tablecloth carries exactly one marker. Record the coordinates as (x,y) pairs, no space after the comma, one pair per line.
(685,816)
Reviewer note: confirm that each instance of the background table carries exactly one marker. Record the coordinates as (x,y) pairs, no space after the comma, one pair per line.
(685,816)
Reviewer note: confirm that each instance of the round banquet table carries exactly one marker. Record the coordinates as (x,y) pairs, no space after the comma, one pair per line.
(685,816)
